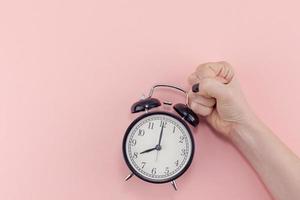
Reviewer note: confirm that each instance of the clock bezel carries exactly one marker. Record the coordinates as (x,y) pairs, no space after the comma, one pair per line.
(132,169)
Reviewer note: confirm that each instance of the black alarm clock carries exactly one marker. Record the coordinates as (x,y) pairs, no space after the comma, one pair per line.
(158,146)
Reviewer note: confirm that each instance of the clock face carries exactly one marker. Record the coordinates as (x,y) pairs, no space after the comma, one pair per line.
(158,147)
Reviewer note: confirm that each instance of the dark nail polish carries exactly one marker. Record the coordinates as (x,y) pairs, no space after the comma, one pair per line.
(195,88)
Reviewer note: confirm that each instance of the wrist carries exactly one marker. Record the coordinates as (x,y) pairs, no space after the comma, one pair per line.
(245,129)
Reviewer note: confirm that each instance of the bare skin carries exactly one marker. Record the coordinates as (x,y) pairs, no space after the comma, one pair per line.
(220,100)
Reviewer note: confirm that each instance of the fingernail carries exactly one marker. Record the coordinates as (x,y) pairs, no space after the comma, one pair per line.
(195,88)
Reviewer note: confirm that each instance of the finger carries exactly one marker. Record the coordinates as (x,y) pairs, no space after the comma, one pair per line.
(194,97)
(212,88)
(200,109)
(223,71)
(193,78)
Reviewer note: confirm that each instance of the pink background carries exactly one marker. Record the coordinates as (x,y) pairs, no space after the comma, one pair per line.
(70,70)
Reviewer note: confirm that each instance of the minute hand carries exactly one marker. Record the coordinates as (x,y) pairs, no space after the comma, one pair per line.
(160,136)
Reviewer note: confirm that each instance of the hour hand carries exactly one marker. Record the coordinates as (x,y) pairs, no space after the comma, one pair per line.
(148,150)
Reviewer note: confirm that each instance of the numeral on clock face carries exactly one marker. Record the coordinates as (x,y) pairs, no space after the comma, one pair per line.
(151,125)
(143,164)
(181,138)
(183,152)
(153,171)
(133,142)
(162,123)
(167,170)
(141,132)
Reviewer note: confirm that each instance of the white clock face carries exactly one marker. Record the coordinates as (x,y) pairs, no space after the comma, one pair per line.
(158,147)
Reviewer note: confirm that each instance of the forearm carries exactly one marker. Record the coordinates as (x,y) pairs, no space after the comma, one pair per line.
(276,165)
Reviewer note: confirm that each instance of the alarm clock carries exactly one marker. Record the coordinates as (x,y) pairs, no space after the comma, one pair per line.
(158,146)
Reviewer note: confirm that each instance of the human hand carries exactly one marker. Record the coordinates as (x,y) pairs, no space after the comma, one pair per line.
(216,95)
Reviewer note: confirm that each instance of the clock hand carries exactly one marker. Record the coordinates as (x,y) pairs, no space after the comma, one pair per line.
(148,150)
(158,146)
(160,136)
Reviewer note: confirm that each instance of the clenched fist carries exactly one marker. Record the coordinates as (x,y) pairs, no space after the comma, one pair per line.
(216,95)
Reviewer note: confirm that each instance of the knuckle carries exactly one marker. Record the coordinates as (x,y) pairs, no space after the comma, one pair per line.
(227,71)
(192,78)
(226,65)
(200,67)
(204,66)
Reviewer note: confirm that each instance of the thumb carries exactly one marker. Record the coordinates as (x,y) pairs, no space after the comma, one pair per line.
(210,87)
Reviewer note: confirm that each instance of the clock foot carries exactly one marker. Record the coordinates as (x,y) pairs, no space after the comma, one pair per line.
(174,185)
(129,177)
